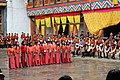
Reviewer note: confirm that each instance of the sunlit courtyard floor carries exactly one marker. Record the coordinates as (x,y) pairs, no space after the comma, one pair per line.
(80,69)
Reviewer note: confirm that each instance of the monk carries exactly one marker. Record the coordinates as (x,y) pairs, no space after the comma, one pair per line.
(93,47)
(11,57)
(17,56)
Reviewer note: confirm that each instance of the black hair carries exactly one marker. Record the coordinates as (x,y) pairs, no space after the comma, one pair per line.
(113,74)
(65,77)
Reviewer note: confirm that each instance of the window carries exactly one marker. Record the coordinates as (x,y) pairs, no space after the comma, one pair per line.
(38,3)
(30,3)
(58,1)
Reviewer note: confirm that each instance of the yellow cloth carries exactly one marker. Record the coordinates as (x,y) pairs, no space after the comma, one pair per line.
(57,19)
(63,19)
(38,23)
(78,27)
(43,30)
(58,27)
(71,28)
(71,19)
(114,1)
(63,26)
(77,18)
(98,20)
(42,21)
(48,22)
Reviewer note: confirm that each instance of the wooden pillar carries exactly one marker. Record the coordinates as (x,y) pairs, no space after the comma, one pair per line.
(32,24)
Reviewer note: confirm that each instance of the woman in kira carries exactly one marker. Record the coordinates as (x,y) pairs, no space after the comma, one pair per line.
(36,52)
(51,52)
(68,53)
(46,53)
(63,52)
(42,57)
(11,57)
(17,56)
(57,54)
(30,55)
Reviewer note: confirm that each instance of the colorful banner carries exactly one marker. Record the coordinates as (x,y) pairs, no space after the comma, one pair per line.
(38,23)
(48,22)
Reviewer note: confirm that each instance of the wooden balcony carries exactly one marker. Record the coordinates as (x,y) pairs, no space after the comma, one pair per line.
(53,3)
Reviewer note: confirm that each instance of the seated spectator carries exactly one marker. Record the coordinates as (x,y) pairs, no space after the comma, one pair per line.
(113,74)
(65,77)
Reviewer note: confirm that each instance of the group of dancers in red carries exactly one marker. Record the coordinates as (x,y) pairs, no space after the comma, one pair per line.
(38,54)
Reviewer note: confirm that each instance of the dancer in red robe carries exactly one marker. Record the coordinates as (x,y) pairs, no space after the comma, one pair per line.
(42,55)
(11,57)
(23,50)
(68,54)
(36,54)
(51,51)
(30,55)
(17,56)
(46,52)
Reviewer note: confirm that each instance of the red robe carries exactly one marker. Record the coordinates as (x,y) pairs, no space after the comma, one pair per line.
(57,57)
(36,55)
(17,59)
(30,56)
(23,56)
(46,52)
(42,55)
(68,54)
(11,58)
(51,51)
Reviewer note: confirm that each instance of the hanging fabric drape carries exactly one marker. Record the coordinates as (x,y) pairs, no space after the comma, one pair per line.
(57,19)
(42,21)
(71,19)
(77,20)
(48,22)
(38,23)
(114,1)
(43,30)
(78,27)
(96,21)
(63,19)
(71,28)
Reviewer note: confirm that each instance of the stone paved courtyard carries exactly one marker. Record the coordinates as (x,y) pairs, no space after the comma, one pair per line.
(80,69)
